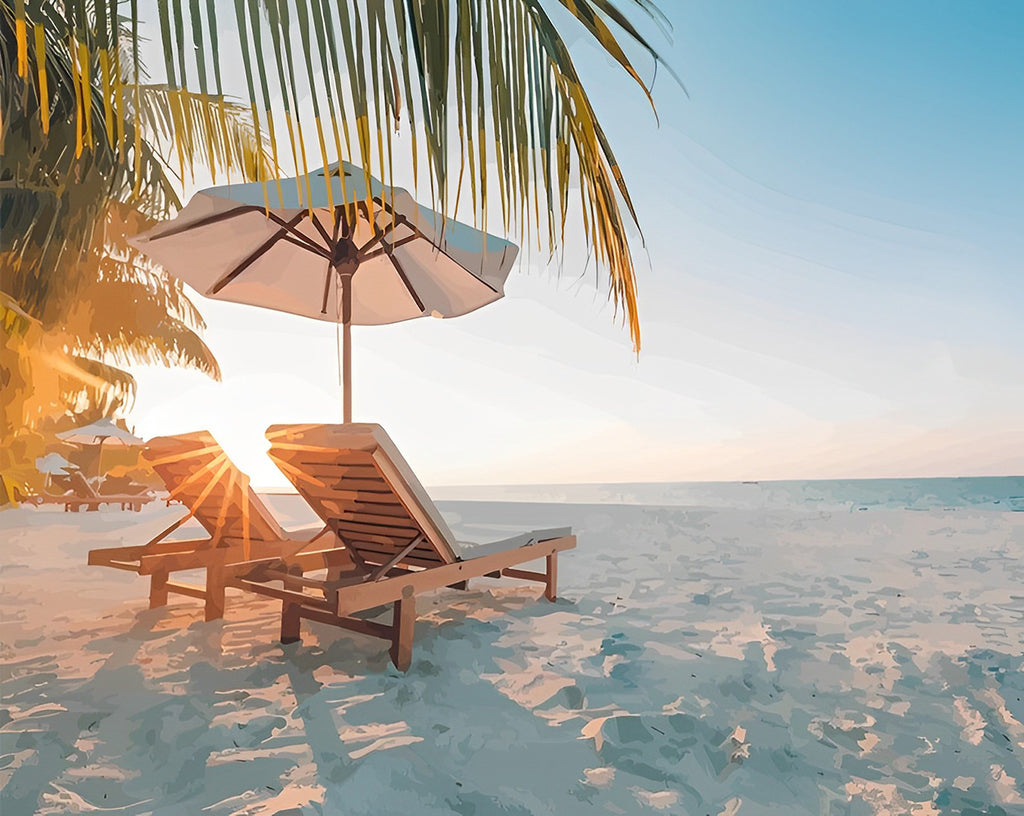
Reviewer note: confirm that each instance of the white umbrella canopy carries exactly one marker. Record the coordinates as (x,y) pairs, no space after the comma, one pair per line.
(53,464)
(102,431)
(329,247)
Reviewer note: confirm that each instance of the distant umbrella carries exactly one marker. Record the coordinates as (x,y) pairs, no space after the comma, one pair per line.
(101,432)
(53,464)
(329,247)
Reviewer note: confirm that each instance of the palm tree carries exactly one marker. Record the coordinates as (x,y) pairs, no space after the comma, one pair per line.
(487,89)
(83,165)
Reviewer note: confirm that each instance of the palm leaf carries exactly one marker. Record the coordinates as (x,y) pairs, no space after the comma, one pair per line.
(489,89)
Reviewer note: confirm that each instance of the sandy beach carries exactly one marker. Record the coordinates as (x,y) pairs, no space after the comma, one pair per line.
(699,660)
(711,307)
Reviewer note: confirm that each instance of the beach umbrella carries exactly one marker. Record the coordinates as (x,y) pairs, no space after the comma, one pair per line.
(102,431)
(53,464)
(334,245)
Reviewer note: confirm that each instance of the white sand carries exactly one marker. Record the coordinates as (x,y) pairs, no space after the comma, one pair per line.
(700,661)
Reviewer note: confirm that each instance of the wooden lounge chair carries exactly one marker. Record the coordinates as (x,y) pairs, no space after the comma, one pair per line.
(239,526)
(82,494)
(356,480)
(68,499)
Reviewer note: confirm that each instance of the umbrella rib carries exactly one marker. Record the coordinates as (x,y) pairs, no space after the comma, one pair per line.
(398,219)
(461,266)
(254,256)
(288,226)
(291,239)
(389,247)
(327,290)
(378,235)
(307,242)
(330,267)
(405,280)
(401,219)
(385,248)
(322,231)
(210,219)
(365,210)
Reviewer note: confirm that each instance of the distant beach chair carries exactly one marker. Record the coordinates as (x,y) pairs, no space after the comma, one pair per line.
(38,499)
(356,480)
(239,526)
(82,494)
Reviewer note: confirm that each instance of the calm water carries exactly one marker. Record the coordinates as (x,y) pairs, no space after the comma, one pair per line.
(980,492)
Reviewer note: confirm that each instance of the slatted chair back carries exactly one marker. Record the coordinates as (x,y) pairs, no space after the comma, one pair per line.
(80,487)
(356,480)
(199,473)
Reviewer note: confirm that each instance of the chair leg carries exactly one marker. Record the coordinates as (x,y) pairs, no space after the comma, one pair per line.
(158,590)
(214,592)
(402,631)
(291,619)
(551,588)
(291,622)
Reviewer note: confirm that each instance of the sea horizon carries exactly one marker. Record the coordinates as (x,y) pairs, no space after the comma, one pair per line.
(1004,493)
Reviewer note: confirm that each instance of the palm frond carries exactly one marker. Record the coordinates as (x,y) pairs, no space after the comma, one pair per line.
(91,385)
(205,130)
(126,316)
(42,379)
(88,68)
(168,343)
(486,89)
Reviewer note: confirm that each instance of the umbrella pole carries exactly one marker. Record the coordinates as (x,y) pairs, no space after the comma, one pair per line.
(346,345)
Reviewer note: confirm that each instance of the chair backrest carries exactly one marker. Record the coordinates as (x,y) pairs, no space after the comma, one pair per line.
(80,486)
(356,480)
(197,471)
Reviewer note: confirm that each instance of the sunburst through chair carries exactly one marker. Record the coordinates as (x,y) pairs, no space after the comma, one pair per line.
(239,526)
(399,545)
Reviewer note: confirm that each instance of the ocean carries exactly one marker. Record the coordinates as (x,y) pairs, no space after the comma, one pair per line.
(980,492)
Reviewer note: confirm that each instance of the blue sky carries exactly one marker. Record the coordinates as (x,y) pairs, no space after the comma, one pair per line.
(829,284)
(854,104)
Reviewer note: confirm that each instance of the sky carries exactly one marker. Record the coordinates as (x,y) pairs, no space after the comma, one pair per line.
(829,278)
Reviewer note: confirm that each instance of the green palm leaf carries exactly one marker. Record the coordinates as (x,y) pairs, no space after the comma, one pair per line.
(79,303)
(488,87)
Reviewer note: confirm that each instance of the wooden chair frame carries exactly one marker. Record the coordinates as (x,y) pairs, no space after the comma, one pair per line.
(73,503)
(84,495)
(356,591)
(239,526)
(377,572)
